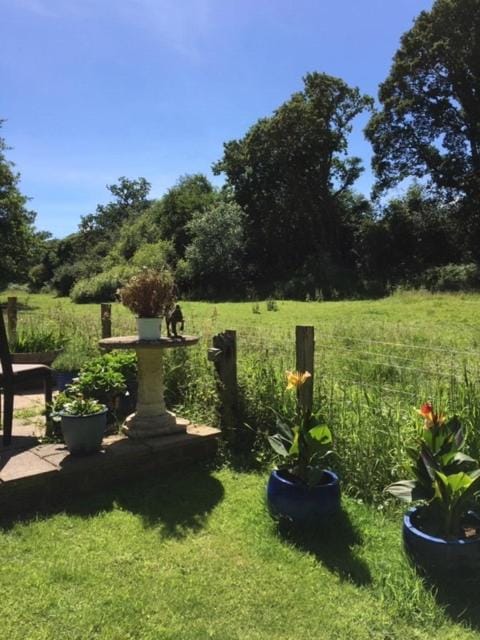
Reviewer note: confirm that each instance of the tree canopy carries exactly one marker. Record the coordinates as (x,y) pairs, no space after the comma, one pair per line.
(288,172)
(429,121)
(19,242)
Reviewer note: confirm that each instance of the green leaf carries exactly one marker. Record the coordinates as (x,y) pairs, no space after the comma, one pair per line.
(321,434)
(278,446)
(284,429)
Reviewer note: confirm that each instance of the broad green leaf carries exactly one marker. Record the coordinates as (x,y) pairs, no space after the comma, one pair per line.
(278,446)
(321,434)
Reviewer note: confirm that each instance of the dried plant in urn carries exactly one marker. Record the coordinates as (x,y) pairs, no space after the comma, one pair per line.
(149,295)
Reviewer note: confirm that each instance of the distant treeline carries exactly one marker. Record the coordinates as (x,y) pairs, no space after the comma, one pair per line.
(288,222)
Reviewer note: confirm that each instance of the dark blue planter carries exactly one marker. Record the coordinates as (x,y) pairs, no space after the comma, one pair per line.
(435,555)
(294,501)
(64,378)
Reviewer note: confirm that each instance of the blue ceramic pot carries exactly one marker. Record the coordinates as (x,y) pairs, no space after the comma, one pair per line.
(437,555)
(295,501)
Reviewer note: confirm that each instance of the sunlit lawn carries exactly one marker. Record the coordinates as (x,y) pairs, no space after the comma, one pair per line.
(196,556)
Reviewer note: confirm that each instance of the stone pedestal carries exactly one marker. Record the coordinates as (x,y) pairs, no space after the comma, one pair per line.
(151,417)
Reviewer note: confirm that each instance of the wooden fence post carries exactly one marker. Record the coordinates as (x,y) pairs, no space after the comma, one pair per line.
(305,348)
(12,319)
(106,319)
(224,357)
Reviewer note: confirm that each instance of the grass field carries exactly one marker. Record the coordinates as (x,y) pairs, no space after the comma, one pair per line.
(374,362)
(196,556)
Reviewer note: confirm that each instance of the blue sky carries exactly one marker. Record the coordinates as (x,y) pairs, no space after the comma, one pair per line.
(97,89)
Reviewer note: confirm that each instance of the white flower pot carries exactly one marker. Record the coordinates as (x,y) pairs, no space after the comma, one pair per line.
(149,328)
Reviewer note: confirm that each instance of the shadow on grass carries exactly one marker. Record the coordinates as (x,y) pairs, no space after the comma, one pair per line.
(332,544)
(458,595)
(176,504)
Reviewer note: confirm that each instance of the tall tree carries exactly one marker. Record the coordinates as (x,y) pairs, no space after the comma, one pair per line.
(429,123)
(213,260)
(289,172)
(192,194)
(131,198)
(19,243)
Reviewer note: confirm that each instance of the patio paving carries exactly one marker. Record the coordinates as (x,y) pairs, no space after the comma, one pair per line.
(37,477)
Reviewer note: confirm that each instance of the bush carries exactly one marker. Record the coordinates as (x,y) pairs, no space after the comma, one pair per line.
(102,287)
(64,278)
(451,277)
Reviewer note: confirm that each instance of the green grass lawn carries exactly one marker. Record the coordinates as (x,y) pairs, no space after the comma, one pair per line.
(196,556)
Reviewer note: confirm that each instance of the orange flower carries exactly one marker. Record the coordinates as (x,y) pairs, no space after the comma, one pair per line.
(295,379)
(431,419)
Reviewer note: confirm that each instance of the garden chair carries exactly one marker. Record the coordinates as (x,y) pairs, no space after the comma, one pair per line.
(12,376)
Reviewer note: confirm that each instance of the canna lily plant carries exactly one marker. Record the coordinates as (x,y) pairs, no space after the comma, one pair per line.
(446,480)
(302,440)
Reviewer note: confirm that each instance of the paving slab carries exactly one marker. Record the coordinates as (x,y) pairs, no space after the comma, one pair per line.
(24,464)
(47,473)
(28,401)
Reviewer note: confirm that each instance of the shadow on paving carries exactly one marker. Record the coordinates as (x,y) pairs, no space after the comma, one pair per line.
(332,544)
(177,504)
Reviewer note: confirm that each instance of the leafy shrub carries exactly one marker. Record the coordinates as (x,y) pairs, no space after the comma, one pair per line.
(99,380)
(64,278)
(153,255)
(102,287)
(452,277)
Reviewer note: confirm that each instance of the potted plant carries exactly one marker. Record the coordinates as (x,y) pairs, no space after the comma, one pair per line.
(37,345)
(442,533)
(149,295)
(83,422)
(100,380)
(302,490)
(67,365)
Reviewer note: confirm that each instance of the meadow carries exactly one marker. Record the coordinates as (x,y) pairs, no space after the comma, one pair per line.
(375,362)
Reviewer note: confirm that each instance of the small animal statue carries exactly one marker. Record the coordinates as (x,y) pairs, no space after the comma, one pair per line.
(174,318)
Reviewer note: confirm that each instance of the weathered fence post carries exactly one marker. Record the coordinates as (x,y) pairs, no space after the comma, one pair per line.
(106,319)
(223,354)
(305,349)
(12,319)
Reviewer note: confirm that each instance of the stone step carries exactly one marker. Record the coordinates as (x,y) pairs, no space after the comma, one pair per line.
(46,476)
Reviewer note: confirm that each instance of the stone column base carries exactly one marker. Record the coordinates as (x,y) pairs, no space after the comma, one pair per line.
(151,426)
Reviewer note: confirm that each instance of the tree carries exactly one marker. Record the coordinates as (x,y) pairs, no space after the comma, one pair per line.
(288,174)
(429,123)
(130,200)
(19,243)
(415,232)
(191,194)
(214,258)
